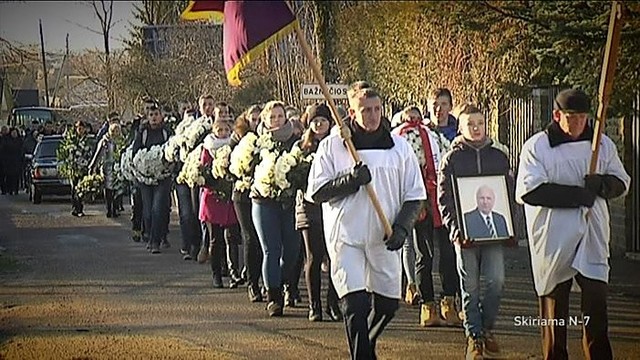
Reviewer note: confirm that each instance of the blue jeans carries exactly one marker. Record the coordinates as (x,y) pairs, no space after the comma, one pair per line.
(189,224)
(155,200)
(486,260)
(280,241)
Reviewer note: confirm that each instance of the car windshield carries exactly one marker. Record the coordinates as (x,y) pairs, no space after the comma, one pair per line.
(47,149)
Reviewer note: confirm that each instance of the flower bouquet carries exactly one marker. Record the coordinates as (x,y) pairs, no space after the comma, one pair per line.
(242,160)
(188,134)
(292,171)
(74,155)
(126,165)
(89,187)
(192,174)
(149,165)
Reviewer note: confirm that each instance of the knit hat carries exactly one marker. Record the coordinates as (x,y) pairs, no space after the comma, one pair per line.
(572,101)
(317,110)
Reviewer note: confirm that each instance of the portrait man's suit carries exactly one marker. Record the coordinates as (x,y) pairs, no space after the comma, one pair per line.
(477,226)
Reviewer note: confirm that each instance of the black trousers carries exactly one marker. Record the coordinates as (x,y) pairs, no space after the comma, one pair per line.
(316,250)
(426,237)
(365,317)
(252,248)
(136,208)
(109,200)
(76,202)
(593,305)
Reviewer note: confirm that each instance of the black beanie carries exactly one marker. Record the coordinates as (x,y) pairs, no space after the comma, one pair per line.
(319,110)
(572,101)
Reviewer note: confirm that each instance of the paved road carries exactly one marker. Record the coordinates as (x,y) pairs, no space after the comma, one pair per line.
(83,290)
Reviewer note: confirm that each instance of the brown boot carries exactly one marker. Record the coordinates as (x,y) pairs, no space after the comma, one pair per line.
(412,297)
(475,349)
(429,315)
(448,312)
(491,348)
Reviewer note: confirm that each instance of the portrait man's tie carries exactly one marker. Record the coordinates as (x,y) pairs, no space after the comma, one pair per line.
(492,231)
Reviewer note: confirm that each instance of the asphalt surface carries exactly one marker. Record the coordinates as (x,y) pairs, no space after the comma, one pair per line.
(79,288)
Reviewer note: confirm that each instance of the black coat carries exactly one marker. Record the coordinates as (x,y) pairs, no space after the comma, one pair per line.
(11,155)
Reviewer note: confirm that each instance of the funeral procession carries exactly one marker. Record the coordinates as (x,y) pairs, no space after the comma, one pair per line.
(314,179)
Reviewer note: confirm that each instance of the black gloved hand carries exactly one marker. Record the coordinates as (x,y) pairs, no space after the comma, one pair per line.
(587,198)
(593,183)
(397,238)
(361,174)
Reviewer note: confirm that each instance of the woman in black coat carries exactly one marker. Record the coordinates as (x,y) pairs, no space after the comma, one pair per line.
(12,155)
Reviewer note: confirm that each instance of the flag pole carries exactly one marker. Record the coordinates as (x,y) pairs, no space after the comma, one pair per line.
(334,110)
(606,80)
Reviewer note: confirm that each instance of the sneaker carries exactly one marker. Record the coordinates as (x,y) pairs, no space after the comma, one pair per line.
(290,299)
(491,348)
(429,315)
(255,293)
(448,312)
(186,257)
(274,308)
(236,278)
(475,349)
(203,255)
(136,236)
(412,297)
(315,314)
(334,313)
(183,252)
(155,249)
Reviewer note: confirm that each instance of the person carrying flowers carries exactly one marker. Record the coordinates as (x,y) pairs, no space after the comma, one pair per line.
(74,156)
(216,208)
(107,154)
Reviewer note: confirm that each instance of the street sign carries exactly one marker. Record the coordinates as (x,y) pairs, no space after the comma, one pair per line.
(313,91)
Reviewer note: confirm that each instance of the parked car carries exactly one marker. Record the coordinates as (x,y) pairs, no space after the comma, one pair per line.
(45,179)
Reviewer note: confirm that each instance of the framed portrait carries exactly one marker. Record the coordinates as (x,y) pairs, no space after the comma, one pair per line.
(483,208)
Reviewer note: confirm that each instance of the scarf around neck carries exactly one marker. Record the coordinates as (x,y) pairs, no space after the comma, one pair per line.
(363,140)
(212,143)
(281,134)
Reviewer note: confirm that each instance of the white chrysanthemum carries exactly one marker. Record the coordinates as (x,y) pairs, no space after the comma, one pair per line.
(264,175)
(190,173)
(241,156)
(220,163)
(149,166)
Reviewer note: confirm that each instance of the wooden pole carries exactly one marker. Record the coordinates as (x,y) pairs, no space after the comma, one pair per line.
(334,110)
(606,80)
(44,66)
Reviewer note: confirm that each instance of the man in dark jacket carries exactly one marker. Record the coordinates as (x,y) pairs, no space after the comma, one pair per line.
(155,198)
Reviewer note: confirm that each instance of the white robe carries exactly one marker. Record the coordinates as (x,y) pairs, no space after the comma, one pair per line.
(564,242)
(353,232)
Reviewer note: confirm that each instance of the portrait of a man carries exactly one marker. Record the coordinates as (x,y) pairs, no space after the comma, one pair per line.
(483,222)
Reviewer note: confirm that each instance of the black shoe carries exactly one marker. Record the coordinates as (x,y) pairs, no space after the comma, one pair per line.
(255,293)
(155,249)
(315,314)
(237,279)
(290,299)
(109,215)
(217,282)
(274,299)
(334,313)
(116,214)
(165,244)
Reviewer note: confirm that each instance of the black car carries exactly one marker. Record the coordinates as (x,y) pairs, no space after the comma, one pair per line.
(44,170)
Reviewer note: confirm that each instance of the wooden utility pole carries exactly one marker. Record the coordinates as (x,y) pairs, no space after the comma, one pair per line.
(67,88)
(44,66)
(606,79)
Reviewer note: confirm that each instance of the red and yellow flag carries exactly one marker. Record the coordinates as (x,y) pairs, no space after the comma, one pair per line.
(249,27)
(204,10)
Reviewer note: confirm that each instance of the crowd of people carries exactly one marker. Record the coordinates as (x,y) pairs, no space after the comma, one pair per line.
(329,223)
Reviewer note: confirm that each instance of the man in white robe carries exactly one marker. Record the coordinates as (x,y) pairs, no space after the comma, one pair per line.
(365,265)
(568,222)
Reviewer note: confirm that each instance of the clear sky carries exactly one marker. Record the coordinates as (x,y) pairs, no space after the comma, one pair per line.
(19,23)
